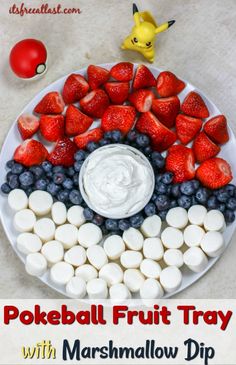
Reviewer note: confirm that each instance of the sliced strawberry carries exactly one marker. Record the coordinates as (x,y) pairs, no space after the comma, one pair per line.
(216,129)
(195,106)
(187,128)
(142,100)
(30,152)
(52,127)
(95,103)
(63,153)
(204,148)
(51,103)
(97,76)
(168,84)
(143,78)
(119,117)
(214,173)
(180,161)
(162,138)
(166,110)
(75,88)
(76,121)
(28,125)
(122,71)
(118,92)
(93,135)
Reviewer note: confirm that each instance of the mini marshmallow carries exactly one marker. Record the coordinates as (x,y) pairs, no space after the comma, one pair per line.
(177,217)
(119,292)
(24,220)
(171,278)
(153,248)
(28,243)
(61,273)
(76,256)
(75,215)
(89,234)
(214,221)
(151,289)
(193,235)
(150,268)
(97,289)
(17,200)
(114,246)
(97,256)
(53,251)
(172,237)
(131,259)
(35,264)
(173,257)
(67,234)
(59,213)
(86,272)
(111,273)
(76,287)
(195,259)
(40,202)
(45,229)
(197,214)
(213,244)
(133,279)
(151,226)
(133,239)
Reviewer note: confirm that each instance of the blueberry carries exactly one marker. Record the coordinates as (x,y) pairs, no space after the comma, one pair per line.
(231,189)
(185,201)
(41,184)
(212,202)
(70,171)
(104,142)
(58,178)
(222,195)
(26,178)
(154,196)
(158,178)
(173,204)
(58,168)
(5,188)
(47,166)
(196,184)
(63,196)
(167,178)
(162,214)
(136,220)
(53,189)
(108,135)
(98,220)
(116,136)
(157,160)
(68,184)
(194,201)
(147,151)
(80,155)
(17,169)
(10,164)
(76,179)
(221,207)
(161,188)
(132,135)
(78,165)
(162,202)
(202,195)
(142,140)
(75,197)
(88,214)
(231,204)
(175,191)
(150,209)
(187,188)
(111,224)
(229,216)
(29,190)
(92,146)
(49,175)
(37,171)
(124,224)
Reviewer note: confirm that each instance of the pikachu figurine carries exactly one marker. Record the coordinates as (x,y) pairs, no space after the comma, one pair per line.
(143,33)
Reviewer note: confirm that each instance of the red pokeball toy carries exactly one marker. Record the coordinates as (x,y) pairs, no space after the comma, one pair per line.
(28,58)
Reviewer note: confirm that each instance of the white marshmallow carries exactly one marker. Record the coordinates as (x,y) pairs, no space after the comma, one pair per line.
(174,257)
(214,221)
(24,220)
(151,289)
(213,243)
(151,226)
(76,287)
(193,235)
(45,229)
(75,215)
(97,289)
(97,256)
(40,202)
(35,264)
(150,268)
(76,256)
(53,251)
(172,237)
(17,200)
(196,214)
(59,213)
(114,246)
(131,259)
(28,243)
(89,234)
(177,217)
(153,248)
(133,279)
(61,273)
(86,272)
(119,292)
(171,278)
(67,234)
(111,273)
(195,259)
(133,239)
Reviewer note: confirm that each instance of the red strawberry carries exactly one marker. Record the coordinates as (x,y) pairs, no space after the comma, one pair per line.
(187,128)
(97,76)
(76,121)
(119,117)
(180,161)
(204,148)
(143,78)
(122,71)
(118,92)
(168,84)
(161,137)
(93,135)
(30,152)
(142,100)
(95,103)
(52,127)
(214,173)
(216,129)
(27,125)
(195,106)
(166,110)
(63,153)
(75,88)
(51,103)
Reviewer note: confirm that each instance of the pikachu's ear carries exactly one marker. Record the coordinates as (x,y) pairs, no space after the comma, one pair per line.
(162,28)
(137,19)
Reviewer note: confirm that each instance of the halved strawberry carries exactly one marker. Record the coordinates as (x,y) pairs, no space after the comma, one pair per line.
(214,173)
(30,152)
(118,92)
(75,88)
(216,129)
(195,106)
(63,153)
(93,135)
(97,76)
(168,84)
(76,121)
(95,103)
(142,100)
(52,127)
(119,117)
(122,71)
(166,110)
(143,78)
(204,148)
(28,125)
(187,128)
(180,161)
(51,103)
(162,138)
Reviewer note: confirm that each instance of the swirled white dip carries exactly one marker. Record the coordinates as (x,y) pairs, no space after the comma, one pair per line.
(116,181)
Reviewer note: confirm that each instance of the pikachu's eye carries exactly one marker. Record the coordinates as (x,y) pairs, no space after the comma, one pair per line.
(148,44)
(135,40)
